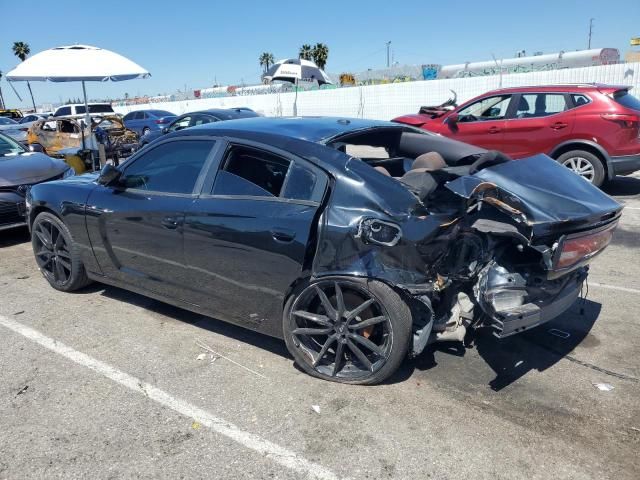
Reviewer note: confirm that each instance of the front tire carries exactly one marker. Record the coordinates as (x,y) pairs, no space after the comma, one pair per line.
(57,255)
(347,330)
(585,164)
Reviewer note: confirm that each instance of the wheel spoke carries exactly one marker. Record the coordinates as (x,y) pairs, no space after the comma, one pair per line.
(313,317)
(42,252)
(339,300)
(64,254)
(44,238)
(338,360)
(360,354)
(59,243)
(367,323)
(359,309)
(331,312)
(324,349)
(64,263)
(366,343)
(312,331)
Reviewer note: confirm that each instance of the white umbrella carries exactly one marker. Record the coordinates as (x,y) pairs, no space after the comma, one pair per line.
(77,63)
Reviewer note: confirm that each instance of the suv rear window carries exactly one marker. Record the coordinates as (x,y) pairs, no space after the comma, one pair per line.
(624,98)
(94,109)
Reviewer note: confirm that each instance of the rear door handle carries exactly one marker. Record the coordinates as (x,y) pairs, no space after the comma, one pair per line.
(494,130)
(283,235)
(170,222)
(559,125)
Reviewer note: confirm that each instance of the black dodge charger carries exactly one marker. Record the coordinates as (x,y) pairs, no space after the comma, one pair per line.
(357,242)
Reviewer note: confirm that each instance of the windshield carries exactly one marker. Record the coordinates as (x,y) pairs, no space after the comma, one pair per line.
(9,147)
(7,121)
(624,98)
(162,113)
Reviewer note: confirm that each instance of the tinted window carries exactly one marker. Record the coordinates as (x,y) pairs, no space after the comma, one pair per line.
(161,113)
(252,172)
(579,99)
(8,146)
(624,98)
(94,109)
(540,104)
(128,116)
(7,121)
(63,111)
(171,167)
(304,183)
(492,108)
(201,120)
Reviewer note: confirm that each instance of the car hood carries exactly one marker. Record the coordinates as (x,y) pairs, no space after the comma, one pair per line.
(546,195)
(30,167)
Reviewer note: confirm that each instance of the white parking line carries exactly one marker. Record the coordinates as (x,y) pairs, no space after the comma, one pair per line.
(276,453)
(614,287)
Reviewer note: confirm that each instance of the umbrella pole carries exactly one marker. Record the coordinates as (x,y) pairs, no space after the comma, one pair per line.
(88,125)
(295,100)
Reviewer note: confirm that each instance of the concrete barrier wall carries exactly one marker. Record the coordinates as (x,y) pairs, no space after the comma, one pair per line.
(385,102)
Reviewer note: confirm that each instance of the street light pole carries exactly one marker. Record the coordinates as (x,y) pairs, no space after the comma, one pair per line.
(590,31)
(388,46)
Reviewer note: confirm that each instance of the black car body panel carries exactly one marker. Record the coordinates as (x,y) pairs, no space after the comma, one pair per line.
(238,258)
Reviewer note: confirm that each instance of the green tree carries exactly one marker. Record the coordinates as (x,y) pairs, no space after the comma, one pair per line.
(305,52)
(266,60)
(320,54)
(22,51)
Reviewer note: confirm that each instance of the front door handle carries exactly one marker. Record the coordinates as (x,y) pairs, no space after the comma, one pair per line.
(494,130)
(283,235)
(170,222)
(559,125)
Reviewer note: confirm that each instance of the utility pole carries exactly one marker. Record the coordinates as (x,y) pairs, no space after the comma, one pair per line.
(388,47)
(590,31)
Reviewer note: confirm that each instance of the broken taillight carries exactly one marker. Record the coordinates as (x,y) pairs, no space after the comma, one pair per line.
(574,249)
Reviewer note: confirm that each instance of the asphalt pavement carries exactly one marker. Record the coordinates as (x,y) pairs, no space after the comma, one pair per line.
(105,383)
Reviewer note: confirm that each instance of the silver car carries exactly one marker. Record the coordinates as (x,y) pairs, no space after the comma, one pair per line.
(14,129)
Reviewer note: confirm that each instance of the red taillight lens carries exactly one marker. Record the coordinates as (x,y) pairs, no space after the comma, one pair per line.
(626,119)
(574,250)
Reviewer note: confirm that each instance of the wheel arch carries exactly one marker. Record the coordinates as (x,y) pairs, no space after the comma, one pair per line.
(588,146)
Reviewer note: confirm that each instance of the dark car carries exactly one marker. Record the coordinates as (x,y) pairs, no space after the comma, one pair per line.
(144,122)
(201,117)
(19,170)
(592,129)
(275,225)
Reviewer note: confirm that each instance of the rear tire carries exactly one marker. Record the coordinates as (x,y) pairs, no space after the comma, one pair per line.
(57,255)
(585,164)
(347,330)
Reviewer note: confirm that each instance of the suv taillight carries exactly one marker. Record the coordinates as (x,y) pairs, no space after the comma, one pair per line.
(626,119)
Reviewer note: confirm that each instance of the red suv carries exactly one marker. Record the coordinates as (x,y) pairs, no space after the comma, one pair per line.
(592,129)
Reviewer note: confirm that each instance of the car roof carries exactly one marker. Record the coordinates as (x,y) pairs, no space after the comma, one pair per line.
(226,113)
(312,129)
(562,87)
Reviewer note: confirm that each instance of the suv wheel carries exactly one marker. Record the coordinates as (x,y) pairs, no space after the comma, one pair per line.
(585,164)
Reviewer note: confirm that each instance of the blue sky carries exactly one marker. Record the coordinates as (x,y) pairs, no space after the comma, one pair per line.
(192,43)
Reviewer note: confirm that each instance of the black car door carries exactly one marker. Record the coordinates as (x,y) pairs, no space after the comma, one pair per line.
(247,235)
(135,226)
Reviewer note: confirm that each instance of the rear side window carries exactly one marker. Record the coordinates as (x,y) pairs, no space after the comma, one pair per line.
(63,111)
(251,172)
(305,183)
(624,98)
(533,105)
(579,99)
(128,116)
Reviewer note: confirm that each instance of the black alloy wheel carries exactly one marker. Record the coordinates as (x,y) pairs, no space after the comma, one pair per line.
(348,330)
(56,254)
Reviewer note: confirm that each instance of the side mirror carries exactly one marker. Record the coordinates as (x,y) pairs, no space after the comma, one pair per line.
(453,118)
(36,147)
(165,130)
(109,175)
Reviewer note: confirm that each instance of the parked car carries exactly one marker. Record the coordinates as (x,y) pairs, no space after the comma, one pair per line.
(79,110)
(201,117)
(19,170)
(145,121)
(268,223)
(11,113)
(592,129)
(68,138)
(10,127)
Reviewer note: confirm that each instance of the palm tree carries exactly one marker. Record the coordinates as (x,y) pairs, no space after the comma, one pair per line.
(320,54)
(1,97)
(305,53)
(266,60)
(22,50)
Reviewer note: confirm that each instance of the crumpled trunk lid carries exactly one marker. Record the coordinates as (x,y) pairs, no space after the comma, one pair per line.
(540,193)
